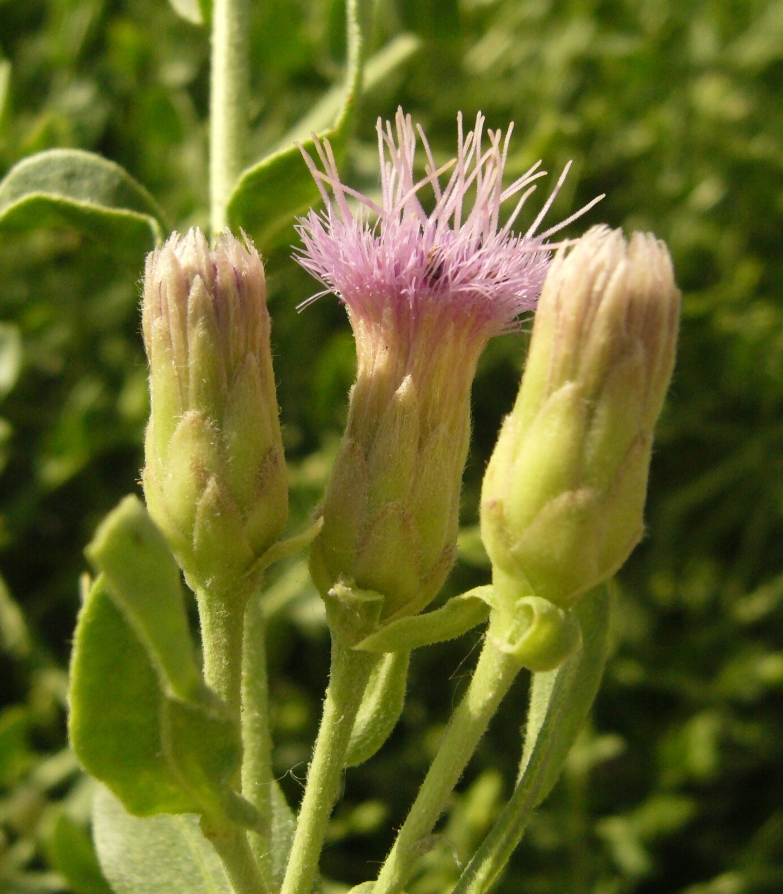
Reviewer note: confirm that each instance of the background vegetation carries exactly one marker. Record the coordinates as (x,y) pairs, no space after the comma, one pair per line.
(675,110)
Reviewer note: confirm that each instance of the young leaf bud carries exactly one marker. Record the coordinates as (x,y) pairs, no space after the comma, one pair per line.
(215,477)
(563,495)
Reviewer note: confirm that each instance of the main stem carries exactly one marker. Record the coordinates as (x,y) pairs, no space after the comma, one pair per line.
(349,675)
(492,678)
(228,123)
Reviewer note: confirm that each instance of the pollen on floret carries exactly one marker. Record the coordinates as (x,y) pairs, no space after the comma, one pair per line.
(458,262)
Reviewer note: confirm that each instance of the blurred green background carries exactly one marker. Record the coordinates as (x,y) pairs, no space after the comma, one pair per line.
(675,111)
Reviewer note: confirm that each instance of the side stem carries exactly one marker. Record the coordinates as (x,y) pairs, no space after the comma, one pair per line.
(492,678)
(349,675)
(256,736)
(228,103)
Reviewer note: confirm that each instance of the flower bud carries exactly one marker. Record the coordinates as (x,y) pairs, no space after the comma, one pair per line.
(215,478)
(563,496)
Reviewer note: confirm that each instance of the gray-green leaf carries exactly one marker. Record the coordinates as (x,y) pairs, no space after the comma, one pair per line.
(456,617)
(156,855)
(380,709)
(269,194)
(144,580)
(73,188)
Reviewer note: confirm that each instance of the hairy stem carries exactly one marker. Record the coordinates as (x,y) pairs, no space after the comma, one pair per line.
(234,851)
(256,736)
(492,678)
(228,123)
(349,675)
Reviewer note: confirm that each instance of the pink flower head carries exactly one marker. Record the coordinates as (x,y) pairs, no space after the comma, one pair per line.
(424,293)
(418,285)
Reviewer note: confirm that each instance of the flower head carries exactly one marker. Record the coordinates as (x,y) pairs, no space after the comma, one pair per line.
(215,478)
(564,492)
(424,293)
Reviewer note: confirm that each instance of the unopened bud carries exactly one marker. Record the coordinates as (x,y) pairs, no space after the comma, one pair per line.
(215,478)
(563,497)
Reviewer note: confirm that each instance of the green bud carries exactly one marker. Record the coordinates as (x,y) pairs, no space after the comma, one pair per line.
(215,477)
(563,496)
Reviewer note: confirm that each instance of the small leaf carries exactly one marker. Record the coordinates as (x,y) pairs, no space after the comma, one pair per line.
(143,578)
(10,357)
(456,617)
(380,709)
(283,828)
(269,194)
(190,10)
(157,753)
(71,853)
(116,704)
(156,855)
(73,188)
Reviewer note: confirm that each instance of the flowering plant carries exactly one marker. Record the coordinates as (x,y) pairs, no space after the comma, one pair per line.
(183,746)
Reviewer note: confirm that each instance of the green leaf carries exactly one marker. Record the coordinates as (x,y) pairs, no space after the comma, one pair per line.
(144,580)
(560,701)
(283,828)
(73,188)
(157,855)
(456,617)
(10,357)
(5,85)
(380,709)
(157,753)
(192,10)
(116,711)
(269,194)
(71,853)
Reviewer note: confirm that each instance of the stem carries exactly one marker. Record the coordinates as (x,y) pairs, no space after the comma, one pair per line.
(228,103)
(234,851)
(492,678)
(222,618)
(256,736)
(349,675)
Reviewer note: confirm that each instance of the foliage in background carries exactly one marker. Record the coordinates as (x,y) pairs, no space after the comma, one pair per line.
(675,110)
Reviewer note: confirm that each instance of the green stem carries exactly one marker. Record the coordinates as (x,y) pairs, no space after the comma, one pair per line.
(349,675)
(228,123)
(222,618)
(492,678)
(234,851)
(256,736)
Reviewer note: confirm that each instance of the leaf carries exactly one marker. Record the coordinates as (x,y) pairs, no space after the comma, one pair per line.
(456,617)
(144,580)
(268,195)
(73,188)
(116,706)
(156,855)
(193,10)
(157,753)
(560,701)
(10,357)
(71,853)
(283,828)
(5,85)
(381,706)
